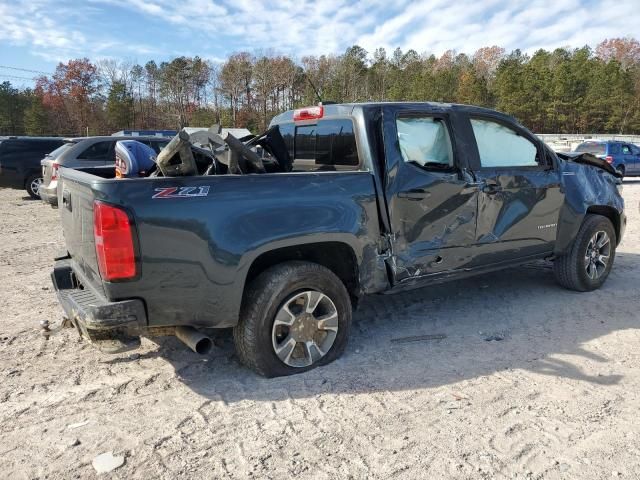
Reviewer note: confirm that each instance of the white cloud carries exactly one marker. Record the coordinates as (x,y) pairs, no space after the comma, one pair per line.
(60,29)
(435,26)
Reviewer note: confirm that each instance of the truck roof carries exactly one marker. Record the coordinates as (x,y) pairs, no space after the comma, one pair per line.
(346,109)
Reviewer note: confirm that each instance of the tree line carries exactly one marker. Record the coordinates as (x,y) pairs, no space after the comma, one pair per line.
(583,90)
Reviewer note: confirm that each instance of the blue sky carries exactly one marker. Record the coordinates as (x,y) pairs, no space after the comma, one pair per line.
(37,34)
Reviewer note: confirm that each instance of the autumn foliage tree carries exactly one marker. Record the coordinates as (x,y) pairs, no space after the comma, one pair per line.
(580,90)
(69,95)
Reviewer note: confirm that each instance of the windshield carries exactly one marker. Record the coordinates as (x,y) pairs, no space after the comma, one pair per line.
(58,151)
(593,148)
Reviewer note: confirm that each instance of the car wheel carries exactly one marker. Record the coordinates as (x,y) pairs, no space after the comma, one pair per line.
(32,184)
(620,169)
(587,265)
(295,316)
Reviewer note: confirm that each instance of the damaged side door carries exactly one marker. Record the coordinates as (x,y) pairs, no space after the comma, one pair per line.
(520,193)
(431,207)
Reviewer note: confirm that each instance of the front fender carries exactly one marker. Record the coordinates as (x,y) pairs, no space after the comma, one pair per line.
(587,188)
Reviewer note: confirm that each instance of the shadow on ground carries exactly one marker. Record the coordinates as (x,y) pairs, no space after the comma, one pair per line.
(514,319)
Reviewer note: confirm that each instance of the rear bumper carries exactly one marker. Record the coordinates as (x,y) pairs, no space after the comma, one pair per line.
(114,327)
(49,195)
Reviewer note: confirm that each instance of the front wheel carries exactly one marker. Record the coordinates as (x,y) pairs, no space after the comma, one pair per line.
(295,316)
(587,265)
(32,185)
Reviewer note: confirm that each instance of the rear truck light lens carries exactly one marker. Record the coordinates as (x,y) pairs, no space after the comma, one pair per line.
(54,170)
(308,113)
(114,242)
(609,159)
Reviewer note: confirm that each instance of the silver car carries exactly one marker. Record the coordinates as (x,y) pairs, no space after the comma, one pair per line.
(95,155)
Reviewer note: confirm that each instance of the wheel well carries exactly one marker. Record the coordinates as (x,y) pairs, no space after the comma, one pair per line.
(611,214)
(337,257)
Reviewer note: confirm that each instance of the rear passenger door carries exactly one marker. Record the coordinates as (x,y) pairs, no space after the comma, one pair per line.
(432,209)
(635,150)
(97,159)
(519,195)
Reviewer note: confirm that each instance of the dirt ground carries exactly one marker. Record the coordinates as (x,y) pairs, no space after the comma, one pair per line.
(531,381)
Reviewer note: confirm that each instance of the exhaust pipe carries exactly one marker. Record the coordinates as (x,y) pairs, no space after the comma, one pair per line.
(195,340)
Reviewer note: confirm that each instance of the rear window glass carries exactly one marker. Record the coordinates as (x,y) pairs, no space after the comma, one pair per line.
(327,146)
(594,148)
(157,145)
(97,151)
(60,150)
(14,146)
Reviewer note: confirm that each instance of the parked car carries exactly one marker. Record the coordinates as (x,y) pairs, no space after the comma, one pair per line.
(95,155)
(20,161)
(623,156)
(362,199)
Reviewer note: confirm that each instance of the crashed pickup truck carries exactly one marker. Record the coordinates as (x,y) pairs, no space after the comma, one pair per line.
(283,233)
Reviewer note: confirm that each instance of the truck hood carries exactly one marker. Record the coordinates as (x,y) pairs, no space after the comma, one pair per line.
(588,159)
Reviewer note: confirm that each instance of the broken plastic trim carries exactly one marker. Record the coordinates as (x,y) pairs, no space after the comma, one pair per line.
(589,159)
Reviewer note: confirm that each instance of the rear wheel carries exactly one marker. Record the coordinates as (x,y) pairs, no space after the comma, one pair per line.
(295,316)
(32,184)
(587,265)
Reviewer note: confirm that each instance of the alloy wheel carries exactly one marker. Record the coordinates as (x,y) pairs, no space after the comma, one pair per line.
(597,255)
(35,185)
(304,328)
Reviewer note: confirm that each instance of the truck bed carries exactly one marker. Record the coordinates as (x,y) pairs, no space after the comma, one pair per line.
(196,237)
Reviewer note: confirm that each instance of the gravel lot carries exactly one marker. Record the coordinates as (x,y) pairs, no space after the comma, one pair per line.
(531,381)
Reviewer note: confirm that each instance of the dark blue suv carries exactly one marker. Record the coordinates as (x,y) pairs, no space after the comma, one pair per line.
(624,157)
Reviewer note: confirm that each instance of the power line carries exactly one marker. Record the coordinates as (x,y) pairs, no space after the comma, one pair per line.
(25,70)
(15,77)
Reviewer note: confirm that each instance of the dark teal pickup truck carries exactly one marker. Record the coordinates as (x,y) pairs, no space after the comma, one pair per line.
(361,199)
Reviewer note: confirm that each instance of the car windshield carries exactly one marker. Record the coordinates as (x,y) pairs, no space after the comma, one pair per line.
(594,148)
(60,150)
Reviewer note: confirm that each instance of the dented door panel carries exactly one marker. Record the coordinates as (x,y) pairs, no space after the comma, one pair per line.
(432,213)
(518,216)
(434,221)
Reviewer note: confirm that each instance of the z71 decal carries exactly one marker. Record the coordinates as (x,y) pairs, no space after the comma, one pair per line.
(182,192)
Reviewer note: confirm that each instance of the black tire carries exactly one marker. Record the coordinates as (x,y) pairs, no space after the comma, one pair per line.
(621,170)
(265,297)
(571,269)
(30,185)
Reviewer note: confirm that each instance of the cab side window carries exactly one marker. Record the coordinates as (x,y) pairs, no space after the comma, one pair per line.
(500,146)
(425,141)
(626,150)
(97,151)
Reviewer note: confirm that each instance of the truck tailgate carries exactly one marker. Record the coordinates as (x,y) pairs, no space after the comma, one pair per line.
(75,200)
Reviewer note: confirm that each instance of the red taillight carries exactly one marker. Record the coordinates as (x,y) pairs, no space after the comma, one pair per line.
(308,113)
(114,242)
(54,170)
(609,159)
